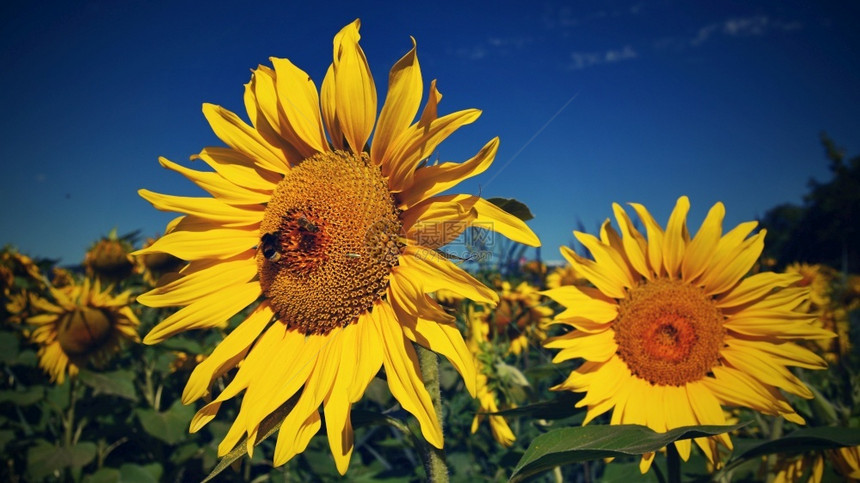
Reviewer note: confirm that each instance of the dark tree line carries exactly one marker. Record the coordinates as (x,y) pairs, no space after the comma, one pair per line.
(825,228)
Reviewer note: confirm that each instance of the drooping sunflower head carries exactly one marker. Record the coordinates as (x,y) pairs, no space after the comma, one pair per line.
(109,259)
(154,265)
(672,328)
(332,236)
(81,324)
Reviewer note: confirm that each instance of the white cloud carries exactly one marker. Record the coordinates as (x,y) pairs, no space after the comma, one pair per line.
(582,60)
(754,26)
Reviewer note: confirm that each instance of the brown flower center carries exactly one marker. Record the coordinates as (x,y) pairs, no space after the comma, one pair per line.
(328,242)
(84,330)
(669,332)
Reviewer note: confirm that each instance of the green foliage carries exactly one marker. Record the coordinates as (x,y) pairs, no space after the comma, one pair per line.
(826,229)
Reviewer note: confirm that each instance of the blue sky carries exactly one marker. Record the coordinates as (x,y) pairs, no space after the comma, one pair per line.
(594,102)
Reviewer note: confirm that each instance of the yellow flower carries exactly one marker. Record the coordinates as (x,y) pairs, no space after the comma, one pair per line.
(808,468)
(521,317)
(109,259)
(154,265)
(563,276)
(338,240)
(817,277)
(846,461)
(14,265)
(672,330)
(82,325)
(488,399)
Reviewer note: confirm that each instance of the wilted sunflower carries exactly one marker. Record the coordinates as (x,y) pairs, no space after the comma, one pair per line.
(109,259)
(336,240)
(672,329)
(83,324)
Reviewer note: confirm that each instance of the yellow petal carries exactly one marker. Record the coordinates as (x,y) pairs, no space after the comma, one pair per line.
(404,374)
(655,238)
(436,223)
(634,243)
(491,217)
(417,143)
(676,237)
(776,323)
(304,421)
(189,288)
(786,353)
(754,287)
(736,264)
(432,180)
(582,302)
(608,259)
(432,272)
(354,90)
(431,109)
(213,243)
(239,169)
(218,186)
(300,105)
(440,336)
(227,353)
(704,243)
(329,110)
(243,138)
(401,105)
(289,368)
(368,358)
(610,282)
(263,107)
(765,370)
(678,414)
(209,311)
(598,347)
(336,405)
(206,208)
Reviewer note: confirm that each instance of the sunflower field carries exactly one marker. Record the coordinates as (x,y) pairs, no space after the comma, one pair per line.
(334,310)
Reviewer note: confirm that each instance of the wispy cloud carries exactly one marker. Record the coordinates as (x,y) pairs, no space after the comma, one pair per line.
(754,26)
(498,46)
(564,16)
(583,60)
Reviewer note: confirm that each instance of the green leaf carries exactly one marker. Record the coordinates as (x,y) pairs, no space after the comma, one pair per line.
(44,458)
(104,475)
(804,440)
(117,383)
(572,445)
(563,406)
(514,207)
(28,396)
(131,473)
(170,426)
(183,344)
(268,426)
(6,436)
(8,347)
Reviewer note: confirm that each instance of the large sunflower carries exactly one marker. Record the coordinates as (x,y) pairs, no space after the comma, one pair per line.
(672,330)
(83,324)
(338,240)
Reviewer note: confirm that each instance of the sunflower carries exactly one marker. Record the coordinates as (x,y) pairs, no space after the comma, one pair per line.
(109,259)
(82,325)
(671,330)
(520,317)
(333,243)
(488,398)
(565,275)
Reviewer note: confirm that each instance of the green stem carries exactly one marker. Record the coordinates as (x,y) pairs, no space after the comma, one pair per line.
(673,464)
(437,470)
(69,419)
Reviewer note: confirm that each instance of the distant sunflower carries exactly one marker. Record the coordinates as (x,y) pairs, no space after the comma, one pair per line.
(488,398)
(565,275)
(672,329)
(109,259)
(82,325)
(520,317)
(337,238)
